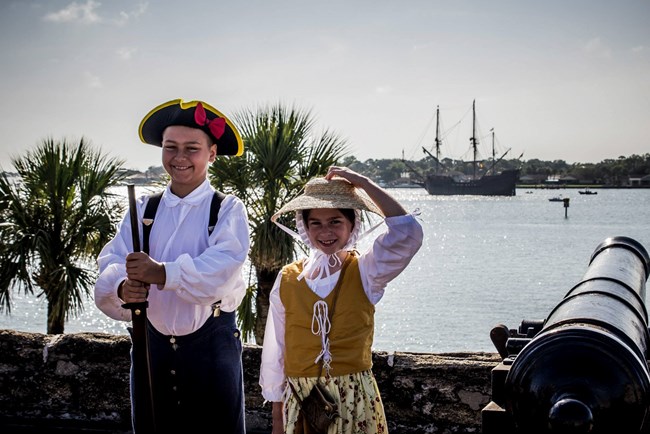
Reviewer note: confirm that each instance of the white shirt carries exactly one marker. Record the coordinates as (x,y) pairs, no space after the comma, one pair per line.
(200,269)
(388,256)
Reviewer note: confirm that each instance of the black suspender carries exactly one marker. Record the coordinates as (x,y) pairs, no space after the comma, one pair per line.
(148,218)
(152,207)
(214,210)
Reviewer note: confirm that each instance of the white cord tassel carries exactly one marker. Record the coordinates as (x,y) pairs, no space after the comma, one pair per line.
(320,325)
(318,265)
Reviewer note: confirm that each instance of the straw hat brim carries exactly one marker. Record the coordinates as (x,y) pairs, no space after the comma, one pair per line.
(178,112)
(334,193)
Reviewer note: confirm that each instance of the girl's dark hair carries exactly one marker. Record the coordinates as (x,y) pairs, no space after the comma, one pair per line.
(348,213)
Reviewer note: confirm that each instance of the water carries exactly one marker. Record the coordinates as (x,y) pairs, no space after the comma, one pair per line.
(484,261)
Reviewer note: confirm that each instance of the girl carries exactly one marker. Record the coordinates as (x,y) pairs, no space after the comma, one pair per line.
(321,319)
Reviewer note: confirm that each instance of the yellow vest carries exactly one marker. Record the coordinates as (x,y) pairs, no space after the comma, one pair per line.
(351,333)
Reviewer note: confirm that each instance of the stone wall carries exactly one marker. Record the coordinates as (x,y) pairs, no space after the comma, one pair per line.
(80,383)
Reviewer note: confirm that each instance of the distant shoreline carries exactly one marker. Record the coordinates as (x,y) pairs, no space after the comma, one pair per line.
(583,186)
(555,187)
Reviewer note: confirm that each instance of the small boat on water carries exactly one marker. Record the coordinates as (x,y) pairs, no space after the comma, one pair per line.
(490,183)
(587,191)
(556,199)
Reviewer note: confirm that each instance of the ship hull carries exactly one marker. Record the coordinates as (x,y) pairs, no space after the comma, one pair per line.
(503,184)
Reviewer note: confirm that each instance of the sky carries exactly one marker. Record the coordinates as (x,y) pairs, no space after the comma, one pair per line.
(556,79)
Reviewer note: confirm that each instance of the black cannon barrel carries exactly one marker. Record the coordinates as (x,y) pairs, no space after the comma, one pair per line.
(586,370)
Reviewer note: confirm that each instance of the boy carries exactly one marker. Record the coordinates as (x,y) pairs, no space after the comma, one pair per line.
(191,278)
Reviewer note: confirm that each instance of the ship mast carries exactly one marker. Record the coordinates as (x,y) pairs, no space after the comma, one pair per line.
(493,156)
(437,139)
(473,139)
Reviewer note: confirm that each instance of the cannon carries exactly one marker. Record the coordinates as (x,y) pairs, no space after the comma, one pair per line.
(584,368)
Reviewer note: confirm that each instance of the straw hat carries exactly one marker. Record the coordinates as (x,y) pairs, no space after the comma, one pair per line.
(335,193)
(194,114)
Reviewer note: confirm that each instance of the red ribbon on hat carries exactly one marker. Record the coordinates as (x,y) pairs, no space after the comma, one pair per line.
(217,126)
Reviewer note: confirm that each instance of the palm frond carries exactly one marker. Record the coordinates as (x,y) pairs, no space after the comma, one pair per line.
(246,314)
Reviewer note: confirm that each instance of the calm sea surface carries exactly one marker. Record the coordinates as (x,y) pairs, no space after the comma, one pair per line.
(484,261)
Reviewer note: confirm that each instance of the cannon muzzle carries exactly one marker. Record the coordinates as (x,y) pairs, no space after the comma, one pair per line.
(583,369)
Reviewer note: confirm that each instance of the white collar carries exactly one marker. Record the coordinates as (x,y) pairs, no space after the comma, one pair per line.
(195,197)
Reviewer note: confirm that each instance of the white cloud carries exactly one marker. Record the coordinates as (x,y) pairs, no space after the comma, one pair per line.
(421,46)
(638,49)
(92,81)
(126,53)
(597,47)
(76,13)
(125,17)
(383,89)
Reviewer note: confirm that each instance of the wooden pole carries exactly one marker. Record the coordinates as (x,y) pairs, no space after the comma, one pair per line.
(566,207)
(143,408)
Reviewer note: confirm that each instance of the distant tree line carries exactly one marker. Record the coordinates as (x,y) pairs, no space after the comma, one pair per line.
(609,171)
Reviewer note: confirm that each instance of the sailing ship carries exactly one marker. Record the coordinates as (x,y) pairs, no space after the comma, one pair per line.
(490,183)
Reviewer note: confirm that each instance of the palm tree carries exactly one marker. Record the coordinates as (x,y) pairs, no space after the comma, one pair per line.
(55,219)
(282,152)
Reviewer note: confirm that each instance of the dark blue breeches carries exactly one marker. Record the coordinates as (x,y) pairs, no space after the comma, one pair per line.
(197,379)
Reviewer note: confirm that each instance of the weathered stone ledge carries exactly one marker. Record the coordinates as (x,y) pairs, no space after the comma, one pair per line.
(80,383)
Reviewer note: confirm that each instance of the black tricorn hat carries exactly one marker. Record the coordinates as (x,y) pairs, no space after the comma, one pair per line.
(194,114)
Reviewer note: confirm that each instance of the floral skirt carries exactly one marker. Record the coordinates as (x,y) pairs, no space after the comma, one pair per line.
(360,405)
